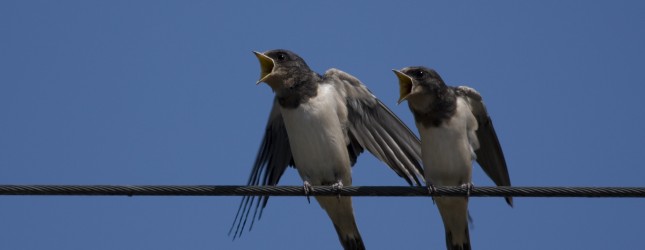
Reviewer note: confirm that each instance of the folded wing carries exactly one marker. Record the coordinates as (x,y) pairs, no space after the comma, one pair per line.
(489,155)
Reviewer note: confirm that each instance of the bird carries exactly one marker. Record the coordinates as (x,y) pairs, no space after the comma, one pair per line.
(320,124)
(455,129)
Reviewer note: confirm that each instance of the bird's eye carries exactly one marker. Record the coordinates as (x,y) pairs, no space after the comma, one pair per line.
(419,74)
(282,57)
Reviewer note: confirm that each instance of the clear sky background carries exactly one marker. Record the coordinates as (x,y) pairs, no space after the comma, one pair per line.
(163,92)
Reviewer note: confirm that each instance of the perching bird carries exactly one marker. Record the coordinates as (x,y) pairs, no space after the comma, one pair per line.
(455,129)
(319,125)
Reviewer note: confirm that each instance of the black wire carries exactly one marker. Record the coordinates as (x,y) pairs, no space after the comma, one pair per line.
(207,190)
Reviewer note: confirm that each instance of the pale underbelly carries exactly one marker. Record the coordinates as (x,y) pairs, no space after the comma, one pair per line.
(447,158)
(318,146)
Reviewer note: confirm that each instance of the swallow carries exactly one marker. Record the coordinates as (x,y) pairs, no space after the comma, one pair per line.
(455,129)
(320,124)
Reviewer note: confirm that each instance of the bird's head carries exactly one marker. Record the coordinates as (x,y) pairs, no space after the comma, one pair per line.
(417,80)
(279,67)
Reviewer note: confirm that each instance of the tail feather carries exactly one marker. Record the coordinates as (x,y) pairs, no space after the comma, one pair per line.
(460,246)
(341,213)
(350,241)
(455,216)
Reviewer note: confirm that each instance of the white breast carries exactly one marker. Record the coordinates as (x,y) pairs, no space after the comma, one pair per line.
(448,150)
(317,139)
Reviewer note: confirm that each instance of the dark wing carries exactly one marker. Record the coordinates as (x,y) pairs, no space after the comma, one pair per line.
(273,159)
(374,127)
(489,155)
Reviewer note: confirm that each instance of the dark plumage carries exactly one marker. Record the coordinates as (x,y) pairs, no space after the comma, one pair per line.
(295,82)
(462,246)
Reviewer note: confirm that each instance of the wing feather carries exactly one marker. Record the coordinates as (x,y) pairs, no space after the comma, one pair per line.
(274,156)
(489,155)
(377,129)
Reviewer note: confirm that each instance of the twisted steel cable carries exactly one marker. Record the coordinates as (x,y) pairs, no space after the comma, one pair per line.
(212,190)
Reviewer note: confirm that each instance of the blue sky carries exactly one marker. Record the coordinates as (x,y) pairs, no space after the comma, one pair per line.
(163,92)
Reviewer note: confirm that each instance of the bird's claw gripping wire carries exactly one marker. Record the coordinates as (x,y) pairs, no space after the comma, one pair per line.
(308,190)
(468,187)
(431,190)
(337,187)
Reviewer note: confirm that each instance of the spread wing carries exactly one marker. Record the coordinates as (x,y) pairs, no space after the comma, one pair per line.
(371,125)
(274,156)
(489,155)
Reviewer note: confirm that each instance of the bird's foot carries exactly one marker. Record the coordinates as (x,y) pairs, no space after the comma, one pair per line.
(308,190)
(431,190)
(337,187)
(469,187)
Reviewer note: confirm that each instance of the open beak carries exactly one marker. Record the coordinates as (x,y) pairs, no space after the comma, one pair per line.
(266,66)
(405,85)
